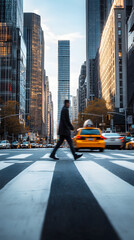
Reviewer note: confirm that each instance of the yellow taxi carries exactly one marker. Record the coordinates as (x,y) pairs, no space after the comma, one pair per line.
(130,145)
(89,137)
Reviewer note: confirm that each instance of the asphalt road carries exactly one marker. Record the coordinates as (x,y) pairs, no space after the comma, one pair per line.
(88,199)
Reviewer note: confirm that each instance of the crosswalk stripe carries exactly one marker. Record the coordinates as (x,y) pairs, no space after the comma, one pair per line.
(17,161)
(99,155)
(28,194)
(71,156)
(122,155)
(126,164)
(4,165)
(115,196)
(20,156)
(46,155)
(3,154)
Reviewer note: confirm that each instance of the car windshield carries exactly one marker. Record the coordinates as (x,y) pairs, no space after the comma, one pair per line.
(4,141)
(111,134)
(25,142)
(90,132)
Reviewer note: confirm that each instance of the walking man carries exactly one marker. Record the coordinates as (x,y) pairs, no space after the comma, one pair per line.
(64,131)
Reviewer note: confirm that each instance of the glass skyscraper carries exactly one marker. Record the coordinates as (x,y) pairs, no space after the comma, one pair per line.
(12,54)
(34,39)
(63,73)
(96,15)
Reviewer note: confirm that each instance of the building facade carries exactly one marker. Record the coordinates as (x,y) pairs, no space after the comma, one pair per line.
(82,95)
(96,14)
(34,39)
(49,121)
(12,55)
(63,74)
(130,76)
(74,108)
(112,58)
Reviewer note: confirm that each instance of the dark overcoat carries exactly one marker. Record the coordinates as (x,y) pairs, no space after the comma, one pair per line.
(65,125)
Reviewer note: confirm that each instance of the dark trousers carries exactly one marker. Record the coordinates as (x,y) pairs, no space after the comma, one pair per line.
(69,140)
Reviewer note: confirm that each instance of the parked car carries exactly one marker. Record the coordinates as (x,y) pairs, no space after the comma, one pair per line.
(5,144)
(26,144)
(113,140)
(130,144)
(89,138)
(15,144)
(33,145)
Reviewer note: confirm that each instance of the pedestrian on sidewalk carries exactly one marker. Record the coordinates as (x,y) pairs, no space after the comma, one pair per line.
(64,131)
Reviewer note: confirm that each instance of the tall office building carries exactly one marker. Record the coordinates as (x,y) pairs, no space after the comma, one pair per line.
(130,76)
(112,58)
(34,39)
(12,54)
(74,108)
(49,123)
(96,14)
(82,89)
(63,74)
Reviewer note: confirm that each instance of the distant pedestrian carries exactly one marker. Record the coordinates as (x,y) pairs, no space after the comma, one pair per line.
(64,131)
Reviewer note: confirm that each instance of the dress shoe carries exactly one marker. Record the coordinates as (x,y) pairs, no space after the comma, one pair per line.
(77,156)
(55,158)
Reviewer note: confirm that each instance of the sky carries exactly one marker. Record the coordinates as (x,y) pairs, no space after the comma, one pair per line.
(61,20)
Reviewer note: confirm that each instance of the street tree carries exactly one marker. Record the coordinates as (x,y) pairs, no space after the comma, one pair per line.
(10,124)
(95,107)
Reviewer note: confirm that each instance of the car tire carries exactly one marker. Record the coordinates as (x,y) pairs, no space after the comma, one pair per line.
(101,149)
(130,147)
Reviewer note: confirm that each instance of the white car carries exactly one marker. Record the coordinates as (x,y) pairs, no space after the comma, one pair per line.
(113,140)
(5,144)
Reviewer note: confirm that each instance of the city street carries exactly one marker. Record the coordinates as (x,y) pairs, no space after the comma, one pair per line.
(88,199)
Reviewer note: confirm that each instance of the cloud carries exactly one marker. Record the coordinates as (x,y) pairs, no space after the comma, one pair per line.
(36,11)
(53,38)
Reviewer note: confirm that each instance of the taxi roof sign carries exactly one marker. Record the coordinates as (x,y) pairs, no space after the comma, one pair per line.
(88,123)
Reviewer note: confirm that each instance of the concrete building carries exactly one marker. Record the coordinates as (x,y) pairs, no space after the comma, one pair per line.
(112,58)
(63,74)
(49,121)
(96,15)
(82,95)
(12,55)
(74,108)
(34,39)
(130,77)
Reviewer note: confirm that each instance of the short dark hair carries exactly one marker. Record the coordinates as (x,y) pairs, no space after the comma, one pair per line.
(66,101)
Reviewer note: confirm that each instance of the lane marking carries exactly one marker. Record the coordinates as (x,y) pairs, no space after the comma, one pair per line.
(126,164)
(20,156)
(4,165)
(122,155)
(28,194)
(115,196)
(2,154)
(46,155)
(100,155)
(17,161)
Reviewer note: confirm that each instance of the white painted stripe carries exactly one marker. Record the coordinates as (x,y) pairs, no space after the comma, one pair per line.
(2,154)
(20,156)
(126,164)
(17,161)
(123,155)
(99,155)
(70,155)
(25,198)
(46,155)
(4,165)
(115,196)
